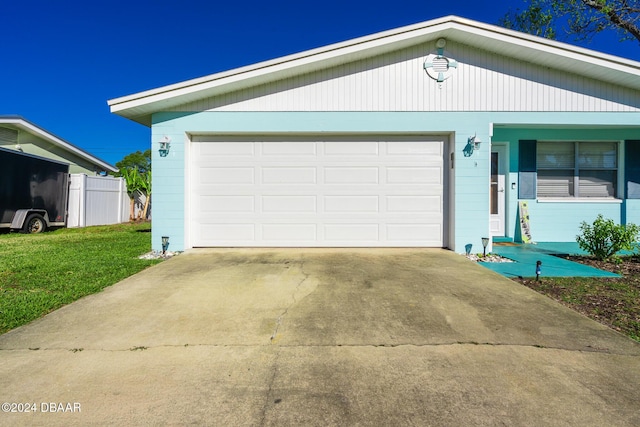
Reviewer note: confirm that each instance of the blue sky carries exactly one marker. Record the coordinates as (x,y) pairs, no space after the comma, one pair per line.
(62,60)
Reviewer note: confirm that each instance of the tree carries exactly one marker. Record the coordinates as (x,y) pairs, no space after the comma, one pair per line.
(145,187)
(582,19)
(133,180)
(138,160)
(135,168)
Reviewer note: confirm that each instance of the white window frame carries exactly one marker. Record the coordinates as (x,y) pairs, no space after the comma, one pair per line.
(618,190)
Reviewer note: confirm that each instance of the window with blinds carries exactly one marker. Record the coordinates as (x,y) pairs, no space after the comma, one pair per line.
(577,169)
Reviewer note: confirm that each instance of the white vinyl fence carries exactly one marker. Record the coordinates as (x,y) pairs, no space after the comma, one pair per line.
(97,200)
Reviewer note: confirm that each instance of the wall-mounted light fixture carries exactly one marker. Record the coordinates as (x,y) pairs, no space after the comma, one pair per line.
(475,141)
(165,145)
(165,244)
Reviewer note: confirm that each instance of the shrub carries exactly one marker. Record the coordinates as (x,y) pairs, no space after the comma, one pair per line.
(605,238)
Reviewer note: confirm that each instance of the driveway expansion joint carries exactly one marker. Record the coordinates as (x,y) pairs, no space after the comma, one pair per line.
(587,349)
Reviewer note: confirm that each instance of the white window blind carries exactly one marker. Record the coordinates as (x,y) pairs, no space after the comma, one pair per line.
(555,184)
(597,183)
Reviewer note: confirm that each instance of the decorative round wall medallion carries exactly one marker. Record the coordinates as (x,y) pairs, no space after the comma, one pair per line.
(438,66)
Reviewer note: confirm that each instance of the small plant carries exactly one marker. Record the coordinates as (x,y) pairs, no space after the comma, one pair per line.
(604,238)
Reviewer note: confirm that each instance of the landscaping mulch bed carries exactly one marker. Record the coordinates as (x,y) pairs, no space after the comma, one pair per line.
(614,302)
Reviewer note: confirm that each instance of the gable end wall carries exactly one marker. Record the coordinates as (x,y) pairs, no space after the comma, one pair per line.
(483,81)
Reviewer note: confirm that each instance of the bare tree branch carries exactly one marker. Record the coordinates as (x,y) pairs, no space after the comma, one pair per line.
(618,19)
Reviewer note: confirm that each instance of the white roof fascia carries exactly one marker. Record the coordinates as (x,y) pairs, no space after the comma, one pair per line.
(27,126)
(597,65)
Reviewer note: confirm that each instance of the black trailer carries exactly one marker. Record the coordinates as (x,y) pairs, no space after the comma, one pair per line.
(34,192)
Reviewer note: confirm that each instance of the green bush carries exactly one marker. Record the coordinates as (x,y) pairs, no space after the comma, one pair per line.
(605,238)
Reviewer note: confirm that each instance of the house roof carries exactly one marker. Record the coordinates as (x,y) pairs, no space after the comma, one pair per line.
(139,107)
(21,123)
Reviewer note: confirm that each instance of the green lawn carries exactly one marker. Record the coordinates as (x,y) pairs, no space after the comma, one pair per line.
(40,273)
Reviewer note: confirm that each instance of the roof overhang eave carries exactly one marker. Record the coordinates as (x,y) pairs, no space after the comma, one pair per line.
(139,107)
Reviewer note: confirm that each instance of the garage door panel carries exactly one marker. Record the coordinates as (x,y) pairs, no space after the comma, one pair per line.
(414,147)
(351,175)
(317,193)
(414,232)
(289,175)
(228,232)
(414,204)
(352,232)
(357,148)
(242,149)
(284,204)
(227,175)
(289,232)
(414,175)
(350,203)
(289,148)
(228,204)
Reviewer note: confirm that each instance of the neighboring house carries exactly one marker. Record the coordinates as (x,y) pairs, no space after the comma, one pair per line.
(428,135)
(18,134)
(93,199)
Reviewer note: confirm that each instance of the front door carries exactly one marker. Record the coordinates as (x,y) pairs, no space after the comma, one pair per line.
(496,190)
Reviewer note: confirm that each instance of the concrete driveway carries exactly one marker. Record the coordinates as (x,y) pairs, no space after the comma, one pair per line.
(318,337)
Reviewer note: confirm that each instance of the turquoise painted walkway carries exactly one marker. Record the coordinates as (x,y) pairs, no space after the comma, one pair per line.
(526,256)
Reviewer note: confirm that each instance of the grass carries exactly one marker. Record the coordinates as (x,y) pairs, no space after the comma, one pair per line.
(40,273)
(612,302)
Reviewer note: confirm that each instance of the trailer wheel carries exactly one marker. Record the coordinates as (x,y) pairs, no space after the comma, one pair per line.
(34,224)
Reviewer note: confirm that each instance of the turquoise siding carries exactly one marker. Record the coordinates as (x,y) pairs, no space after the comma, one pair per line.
(560,221)
(168,180)
(469,209)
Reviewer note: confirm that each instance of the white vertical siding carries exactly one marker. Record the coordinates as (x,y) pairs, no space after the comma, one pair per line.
(396,81)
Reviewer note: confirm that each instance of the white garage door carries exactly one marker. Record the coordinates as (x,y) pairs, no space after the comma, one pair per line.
(334,192)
